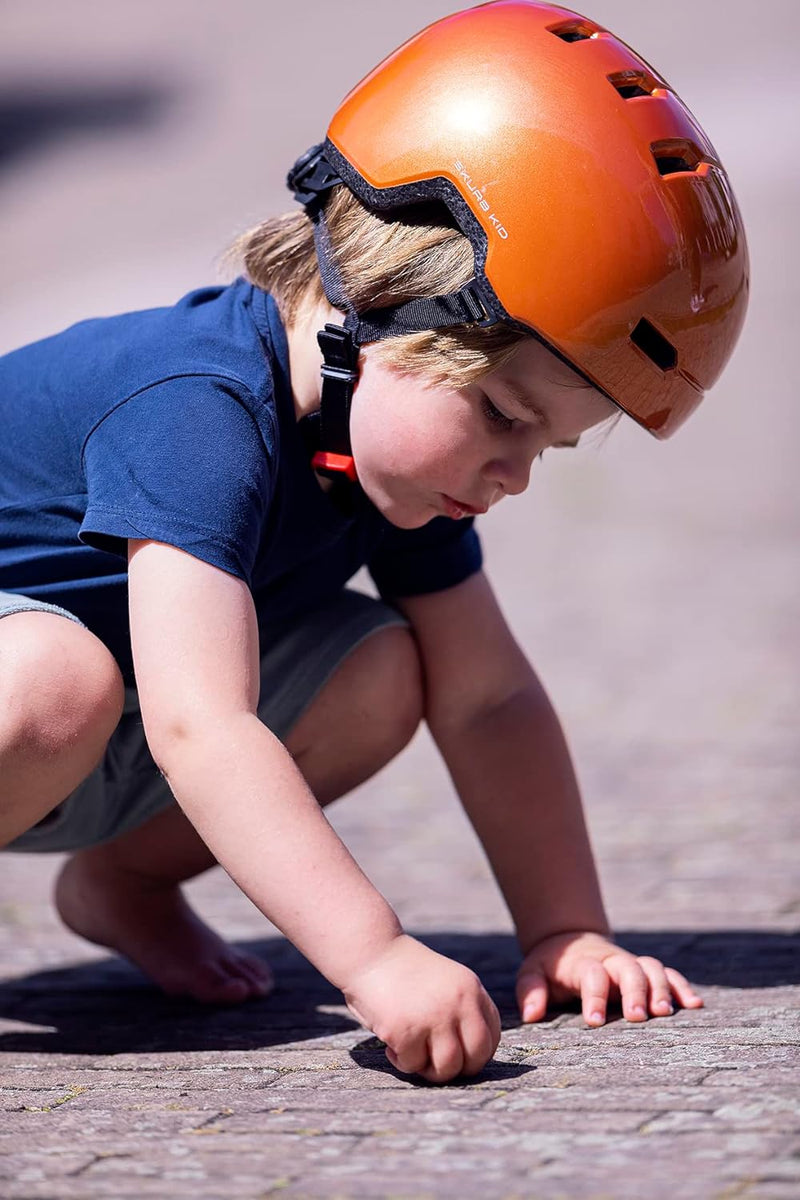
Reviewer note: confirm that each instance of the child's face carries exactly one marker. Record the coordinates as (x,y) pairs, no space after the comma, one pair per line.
(423,451)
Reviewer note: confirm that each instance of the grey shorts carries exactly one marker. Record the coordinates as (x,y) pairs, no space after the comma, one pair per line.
(127,788)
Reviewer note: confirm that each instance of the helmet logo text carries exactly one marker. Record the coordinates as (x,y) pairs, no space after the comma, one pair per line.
(479,196)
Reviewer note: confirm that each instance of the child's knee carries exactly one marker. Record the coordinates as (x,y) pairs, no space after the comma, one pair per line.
(400,684)
(370,708)
(61,686)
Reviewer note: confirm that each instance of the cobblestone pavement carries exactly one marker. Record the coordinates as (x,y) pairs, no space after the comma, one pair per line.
(653,586)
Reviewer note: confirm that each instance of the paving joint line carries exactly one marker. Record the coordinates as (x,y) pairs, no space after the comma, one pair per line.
(212,1122)
(715,1071)
(98,1157)
(642,1129)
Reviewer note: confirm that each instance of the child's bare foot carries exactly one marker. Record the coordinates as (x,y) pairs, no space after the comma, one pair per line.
(152,925)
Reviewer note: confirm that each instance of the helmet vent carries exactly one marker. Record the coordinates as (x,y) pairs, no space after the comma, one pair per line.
(676,154)
(630,84)
(654,345)
(574,30)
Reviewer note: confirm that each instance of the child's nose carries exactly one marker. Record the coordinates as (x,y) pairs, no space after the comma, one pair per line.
(512,472)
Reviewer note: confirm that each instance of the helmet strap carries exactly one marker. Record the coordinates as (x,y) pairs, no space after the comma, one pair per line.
(311,178)
(334,458)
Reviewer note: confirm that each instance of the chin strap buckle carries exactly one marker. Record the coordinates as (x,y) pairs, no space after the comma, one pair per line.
(335,466)
(334,459)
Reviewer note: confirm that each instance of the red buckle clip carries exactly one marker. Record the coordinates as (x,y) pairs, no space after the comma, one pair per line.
(335,465)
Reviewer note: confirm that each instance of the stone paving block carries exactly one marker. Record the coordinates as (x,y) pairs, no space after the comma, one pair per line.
(93,1079)
(344,1080)
(28,1167)
(781,1029)
(632,1098)
(236,1169)
(478,1128)
(709,1056)
(269,1061)
(625,1073)
(774,1078)
(769,1113)
(110,1121)
(153,1169)
(257,1100)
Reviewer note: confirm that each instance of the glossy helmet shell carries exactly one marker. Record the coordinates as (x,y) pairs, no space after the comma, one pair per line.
(601,216)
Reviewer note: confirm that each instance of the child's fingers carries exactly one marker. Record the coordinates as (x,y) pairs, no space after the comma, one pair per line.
(532,995)
(478,1042)
(411,1058)
(632,983)
(492,1018)
(660,991)
(682,989)
(594,984)
(445,1056)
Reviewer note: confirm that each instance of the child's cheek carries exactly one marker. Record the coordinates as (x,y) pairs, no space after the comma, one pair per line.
(382,443)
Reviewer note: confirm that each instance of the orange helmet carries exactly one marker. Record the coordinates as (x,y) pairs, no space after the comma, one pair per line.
(601,217)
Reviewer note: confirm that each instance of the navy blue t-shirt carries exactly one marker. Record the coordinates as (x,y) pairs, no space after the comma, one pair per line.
(178,424)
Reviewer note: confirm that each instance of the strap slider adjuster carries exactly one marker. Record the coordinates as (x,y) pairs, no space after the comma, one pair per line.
(475,305)
(341,374)
(312,176)
(339,351)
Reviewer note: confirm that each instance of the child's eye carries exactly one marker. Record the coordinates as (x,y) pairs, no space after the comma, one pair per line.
(496,419)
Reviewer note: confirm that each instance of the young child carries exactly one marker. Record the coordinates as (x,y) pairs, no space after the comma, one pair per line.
(513,231)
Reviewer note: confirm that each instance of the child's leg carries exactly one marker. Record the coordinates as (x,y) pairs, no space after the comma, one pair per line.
(125,893)
(61,696)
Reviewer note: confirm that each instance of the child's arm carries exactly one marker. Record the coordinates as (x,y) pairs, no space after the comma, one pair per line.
(505,750)
(195,646)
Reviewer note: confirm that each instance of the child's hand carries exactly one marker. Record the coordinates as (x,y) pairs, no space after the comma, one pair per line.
(434,1015)
(590,966)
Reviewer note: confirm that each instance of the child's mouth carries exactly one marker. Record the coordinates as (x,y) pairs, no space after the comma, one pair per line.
(456,509)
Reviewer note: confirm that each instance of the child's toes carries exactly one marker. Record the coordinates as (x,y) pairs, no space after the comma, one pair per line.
(215,983)
(257,973)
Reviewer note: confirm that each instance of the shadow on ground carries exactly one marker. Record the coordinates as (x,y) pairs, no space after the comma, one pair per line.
(106,1007)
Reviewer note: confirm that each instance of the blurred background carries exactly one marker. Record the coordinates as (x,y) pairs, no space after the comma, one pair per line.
(654,586)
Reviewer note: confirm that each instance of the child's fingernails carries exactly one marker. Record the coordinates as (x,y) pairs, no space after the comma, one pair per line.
(666,1007)
(528,1013)
(596,1018)
(638,1013)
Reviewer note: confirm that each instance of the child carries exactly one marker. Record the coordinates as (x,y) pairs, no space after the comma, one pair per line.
(513,231)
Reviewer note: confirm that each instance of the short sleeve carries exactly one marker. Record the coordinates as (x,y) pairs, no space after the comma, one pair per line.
(412,562)
(186,461)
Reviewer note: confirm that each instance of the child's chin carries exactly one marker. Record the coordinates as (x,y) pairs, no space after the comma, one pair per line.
(405,518)
(403,522)
(402,516)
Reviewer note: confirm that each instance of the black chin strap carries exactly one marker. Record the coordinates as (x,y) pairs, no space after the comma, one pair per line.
(333,457)
(311,178)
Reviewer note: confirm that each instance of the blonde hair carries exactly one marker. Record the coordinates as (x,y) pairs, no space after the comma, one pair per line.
(383,260)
